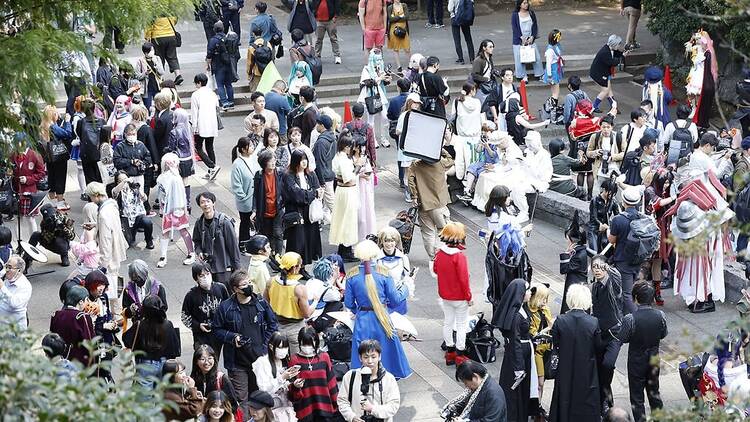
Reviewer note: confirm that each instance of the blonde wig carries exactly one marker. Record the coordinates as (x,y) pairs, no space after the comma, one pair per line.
(367,251)
(389,233)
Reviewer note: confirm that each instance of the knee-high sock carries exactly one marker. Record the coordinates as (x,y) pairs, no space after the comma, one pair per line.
(163,243)
(81,177)
(597,102)
(188,240)
(187,195)
(611,100)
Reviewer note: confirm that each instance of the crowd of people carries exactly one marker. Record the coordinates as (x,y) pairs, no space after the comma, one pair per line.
(268,292)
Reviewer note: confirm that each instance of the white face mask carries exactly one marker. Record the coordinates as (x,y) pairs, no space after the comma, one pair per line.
(282,353)
(307,350)
(131,138)
(205,282)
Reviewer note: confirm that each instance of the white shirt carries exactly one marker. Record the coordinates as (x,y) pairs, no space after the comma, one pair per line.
(666,136)
(14,300)
(203,108)
(634,138)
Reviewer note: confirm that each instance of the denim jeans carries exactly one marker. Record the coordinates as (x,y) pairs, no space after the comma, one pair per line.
(224,84)
(148,370)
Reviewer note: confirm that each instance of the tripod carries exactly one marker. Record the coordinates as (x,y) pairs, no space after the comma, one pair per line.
(25,248)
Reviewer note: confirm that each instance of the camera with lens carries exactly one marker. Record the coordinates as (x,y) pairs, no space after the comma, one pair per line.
(370,418)
(605,161)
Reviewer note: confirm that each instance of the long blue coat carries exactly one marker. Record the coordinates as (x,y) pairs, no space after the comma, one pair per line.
(366,324)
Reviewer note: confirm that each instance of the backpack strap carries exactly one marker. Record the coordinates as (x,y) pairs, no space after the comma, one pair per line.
(354,374)
(219,377)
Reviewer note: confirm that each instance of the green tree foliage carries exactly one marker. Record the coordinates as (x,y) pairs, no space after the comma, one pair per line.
(31,388)
(728,22)
(35,34)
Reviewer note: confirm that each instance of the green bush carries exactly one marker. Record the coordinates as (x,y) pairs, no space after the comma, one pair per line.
(31,390)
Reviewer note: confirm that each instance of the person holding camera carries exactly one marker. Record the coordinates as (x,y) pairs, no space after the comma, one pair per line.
(132,156)
(244,323)
(140,286)
(370,393)
(55,234)
(199,307)
(130,198)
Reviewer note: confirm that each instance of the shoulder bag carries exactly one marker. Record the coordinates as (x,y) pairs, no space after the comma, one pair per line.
(527,54)
(56,150)
(177,35)
(373,102)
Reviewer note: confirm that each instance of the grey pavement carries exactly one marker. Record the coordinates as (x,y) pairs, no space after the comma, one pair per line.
(432,384)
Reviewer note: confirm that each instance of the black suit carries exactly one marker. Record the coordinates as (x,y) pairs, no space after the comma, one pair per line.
(161,133)
(601,67)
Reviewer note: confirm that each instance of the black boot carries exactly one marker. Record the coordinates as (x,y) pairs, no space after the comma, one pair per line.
(347,254)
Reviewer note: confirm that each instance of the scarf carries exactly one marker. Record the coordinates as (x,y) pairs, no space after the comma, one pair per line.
(152,286)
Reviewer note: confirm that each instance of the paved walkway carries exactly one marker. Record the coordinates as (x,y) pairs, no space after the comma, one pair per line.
(432,384)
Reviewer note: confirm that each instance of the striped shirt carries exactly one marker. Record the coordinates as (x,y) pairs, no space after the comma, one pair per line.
(317,397)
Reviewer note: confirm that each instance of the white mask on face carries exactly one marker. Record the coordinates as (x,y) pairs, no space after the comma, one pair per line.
(131,138)
(204,282)
(307,350)
(281,353)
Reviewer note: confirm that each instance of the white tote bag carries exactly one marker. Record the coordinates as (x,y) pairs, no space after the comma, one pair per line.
(317,212)
(527,53)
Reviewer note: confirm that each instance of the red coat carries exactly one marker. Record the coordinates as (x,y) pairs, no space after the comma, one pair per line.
(452,272)
(31,165)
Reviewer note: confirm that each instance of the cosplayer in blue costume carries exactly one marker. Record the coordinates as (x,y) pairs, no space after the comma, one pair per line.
(660,96)
(366,293)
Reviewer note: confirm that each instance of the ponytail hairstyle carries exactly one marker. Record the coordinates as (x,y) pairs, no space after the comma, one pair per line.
(466,89)
(242,144)
(367,251)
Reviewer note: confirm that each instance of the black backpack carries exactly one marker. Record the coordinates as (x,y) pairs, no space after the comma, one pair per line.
(316,66)
(89,136)
(359,135)
(339,342)
(685,139)
(294,114)
(741,205)
(481,343)
(631,167)
(642,240)
(262,56)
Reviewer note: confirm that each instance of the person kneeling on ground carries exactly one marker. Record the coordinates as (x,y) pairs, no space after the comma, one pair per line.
(130,198)
(55,235)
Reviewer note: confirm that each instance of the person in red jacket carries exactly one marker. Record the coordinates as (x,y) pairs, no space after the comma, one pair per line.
(28,170)
(452,272)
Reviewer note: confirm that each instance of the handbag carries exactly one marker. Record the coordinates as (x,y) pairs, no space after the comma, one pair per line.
(107,172)
(374,103)
(291,219)
(57,151)
(43,184)
(399,32)
(316,211)
(177,35)
(219,122)
(551,362)
(527,54)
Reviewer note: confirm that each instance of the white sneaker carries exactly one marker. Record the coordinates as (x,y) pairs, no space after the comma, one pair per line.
(215,172)
(189,260)
(384,143)
(162,263)
(337,60)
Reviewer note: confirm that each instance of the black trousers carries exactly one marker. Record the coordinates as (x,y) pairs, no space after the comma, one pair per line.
(231,17)
(271,228)
(141,222)
(605,365)
(209,156)
(628,279)
(60,246)
(643,375)
(166,49)
(245,225)
(466,29)
(435,11)
(73,88)
(91,172)
(107,42)
(57,174)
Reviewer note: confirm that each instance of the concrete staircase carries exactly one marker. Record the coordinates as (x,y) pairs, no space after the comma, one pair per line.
(333,90)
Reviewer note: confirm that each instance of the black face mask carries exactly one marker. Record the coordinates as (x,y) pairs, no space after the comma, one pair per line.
(247,291)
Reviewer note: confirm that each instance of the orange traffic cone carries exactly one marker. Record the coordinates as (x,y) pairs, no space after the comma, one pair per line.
(667,82)
(524,100)
(347,112)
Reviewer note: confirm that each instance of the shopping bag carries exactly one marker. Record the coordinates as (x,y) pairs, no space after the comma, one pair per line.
(268,78)
(527,54)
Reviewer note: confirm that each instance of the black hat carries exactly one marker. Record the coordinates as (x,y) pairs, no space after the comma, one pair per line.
(259,399)
(256,244)
(574,230)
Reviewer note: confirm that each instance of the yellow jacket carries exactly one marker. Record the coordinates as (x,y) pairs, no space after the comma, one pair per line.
(161,28)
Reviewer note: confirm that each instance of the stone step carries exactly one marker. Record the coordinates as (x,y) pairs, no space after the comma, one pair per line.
(243,107)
